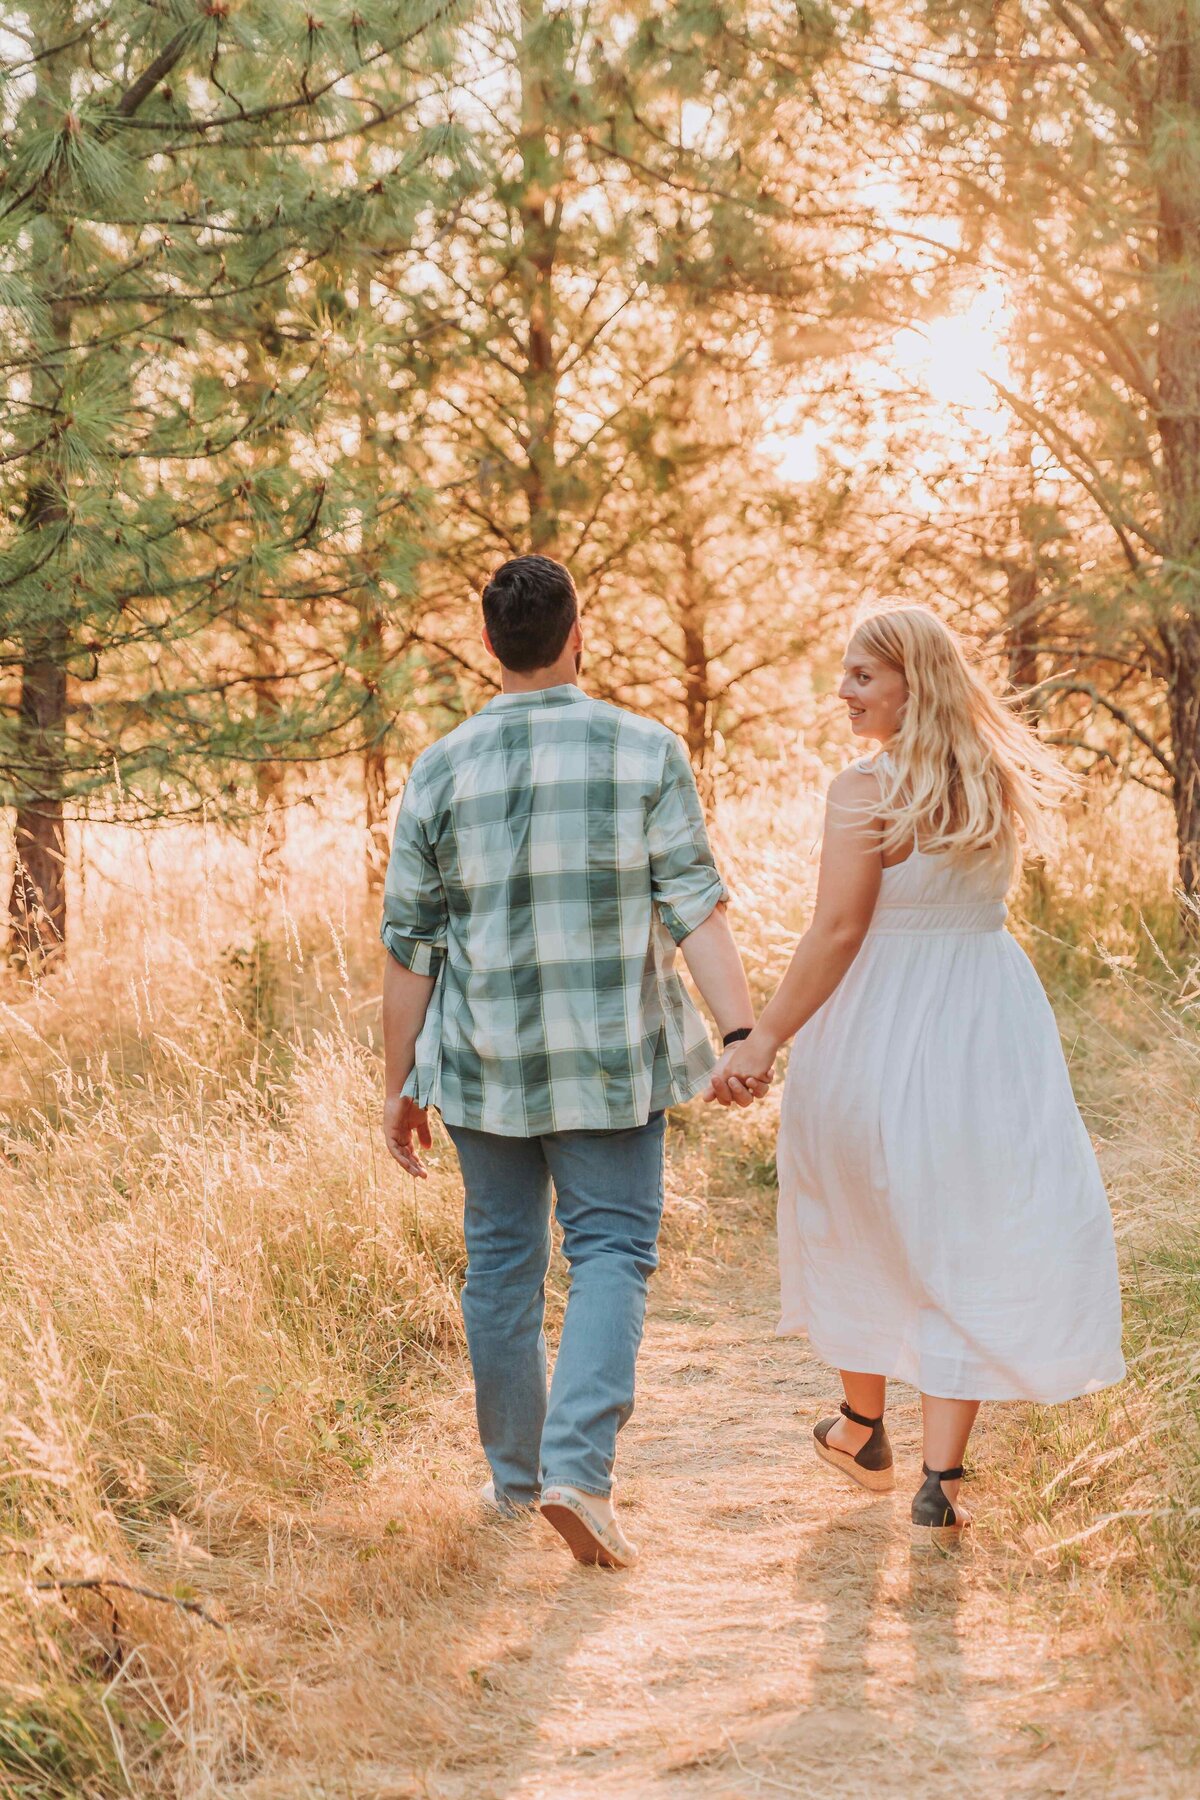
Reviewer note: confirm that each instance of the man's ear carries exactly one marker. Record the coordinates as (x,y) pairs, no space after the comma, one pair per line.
(577,636)
(486,641)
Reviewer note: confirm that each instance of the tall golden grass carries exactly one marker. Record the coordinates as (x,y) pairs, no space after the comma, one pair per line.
(215,1300)
(221,1307)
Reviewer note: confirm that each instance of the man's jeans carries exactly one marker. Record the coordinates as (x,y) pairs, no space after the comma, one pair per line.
(609,1188)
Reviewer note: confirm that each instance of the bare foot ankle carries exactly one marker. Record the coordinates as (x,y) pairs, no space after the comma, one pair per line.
(847,1436)
(951,1491)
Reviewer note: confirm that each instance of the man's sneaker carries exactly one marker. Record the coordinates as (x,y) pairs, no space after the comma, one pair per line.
(508,1509)
(589,1525)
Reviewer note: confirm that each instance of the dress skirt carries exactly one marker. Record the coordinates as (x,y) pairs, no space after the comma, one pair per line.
(942,1218)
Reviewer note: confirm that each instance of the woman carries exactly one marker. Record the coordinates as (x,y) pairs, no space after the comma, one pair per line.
(941,1215)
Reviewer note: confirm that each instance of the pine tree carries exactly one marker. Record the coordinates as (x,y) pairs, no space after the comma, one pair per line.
(180,187)
(640,228)
(1070,137)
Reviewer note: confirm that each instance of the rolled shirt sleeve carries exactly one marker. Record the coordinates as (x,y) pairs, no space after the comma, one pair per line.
(684,882)
(414,900)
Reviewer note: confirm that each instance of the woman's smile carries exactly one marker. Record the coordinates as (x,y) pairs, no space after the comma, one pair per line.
(874,694)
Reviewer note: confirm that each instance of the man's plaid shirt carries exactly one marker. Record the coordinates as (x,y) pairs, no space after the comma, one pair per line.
(549,854)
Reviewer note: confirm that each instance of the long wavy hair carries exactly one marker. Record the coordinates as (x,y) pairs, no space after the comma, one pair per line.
(963,773)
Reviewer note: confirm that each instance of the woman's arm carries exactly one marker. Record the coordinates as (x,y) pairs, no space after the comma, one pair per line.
(847,889)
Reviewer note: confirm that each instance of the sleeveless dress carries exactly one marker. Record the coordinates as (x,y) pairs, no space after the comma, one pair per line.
(942,1218)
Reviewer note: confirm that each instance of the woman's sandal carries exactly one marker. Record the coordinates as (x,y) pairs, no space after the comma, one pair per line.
(871,1466)
(937,1522)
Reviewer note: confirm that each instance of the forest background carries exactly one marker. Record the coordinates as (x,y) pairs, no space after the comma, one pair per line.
(311,315)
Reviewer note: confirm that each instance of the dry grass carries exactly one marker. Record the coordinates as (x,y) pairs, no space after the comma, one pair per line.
(232,1370)
(217,1307)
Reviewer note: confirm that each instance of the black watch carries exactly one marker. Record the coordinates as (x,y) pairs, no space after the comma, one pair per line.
(735,1037)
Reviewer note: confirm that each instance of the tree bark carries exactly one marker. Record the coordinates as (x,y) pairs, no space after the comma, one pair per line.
(1183,705)
(1021,577)
(538,207)
(375,787)
(372,648)
(1020,631)
(37,904)
(1177,100)
(266,624)
(270,775)
(697,682)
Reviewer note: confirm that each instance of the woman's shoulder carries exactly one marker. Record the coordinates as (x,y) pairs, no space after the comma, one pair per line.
(859,781)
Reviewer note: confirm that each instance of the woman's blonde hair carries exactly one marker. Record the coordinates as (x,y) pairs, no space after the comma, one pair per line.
(963,773)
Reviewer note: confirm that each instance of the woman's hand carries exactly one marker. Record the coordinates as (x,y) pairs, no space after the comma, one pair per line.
(743,1074)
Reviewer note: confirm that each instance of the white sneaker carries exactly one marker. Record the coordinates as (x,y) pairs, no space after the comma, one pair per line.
(490,1504)
(589,1524)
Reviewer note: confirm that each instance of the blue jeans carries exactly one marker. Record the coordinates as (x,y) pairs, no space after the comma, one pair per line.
(609,1191)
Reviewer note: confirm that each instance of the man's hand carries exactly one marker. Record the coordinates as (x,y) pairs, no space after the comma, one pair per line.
(742,1075)
(401,1118)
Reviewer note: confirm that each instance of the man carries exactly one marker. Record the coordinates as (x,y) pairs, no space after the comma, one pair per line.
(549,854)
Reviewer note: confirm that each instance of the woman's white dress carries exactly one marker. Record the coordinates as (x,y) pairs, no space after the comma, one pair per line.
(941,1215)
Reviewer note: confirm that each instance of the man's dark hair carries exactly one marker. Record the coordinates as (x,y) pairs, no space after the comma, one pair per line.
(529,607)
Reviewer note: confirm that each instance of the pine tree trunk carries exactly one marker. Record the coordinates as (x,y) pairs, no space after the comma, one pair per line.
(538,207)
(270,776)
(1020,633)
(1021,575)
(372,648)
(376,795)
(1183,701)
(1020,637)
(1178,96)
(697,683)
(37,905)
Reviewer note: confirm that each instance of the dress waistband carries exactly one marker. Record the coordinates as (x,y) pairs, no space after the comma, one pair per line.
(944,916)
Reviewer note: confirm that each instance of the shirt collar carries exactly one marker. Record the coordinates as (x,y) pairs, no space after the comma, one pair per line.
(562,695)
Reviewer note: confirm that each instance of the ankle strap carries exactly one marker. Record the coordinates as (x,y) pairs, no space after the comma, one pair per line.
(858,1418)
(943,1474)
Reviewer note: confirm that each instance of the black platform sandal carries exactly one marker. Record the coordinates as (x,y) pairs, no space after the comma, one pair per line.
(937,1523)
(871,1466)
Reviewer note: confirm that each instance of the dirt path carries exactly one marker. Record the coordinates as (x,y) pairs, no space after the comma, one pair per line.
(777,1637)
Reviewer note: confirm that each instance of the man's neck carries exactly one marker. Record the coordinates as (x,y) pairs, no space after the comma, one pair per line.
(559,674)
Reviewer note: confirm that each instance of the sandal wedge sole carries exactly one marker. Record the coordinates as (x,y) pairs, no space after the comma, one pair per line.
(579,1538)
(876,1481)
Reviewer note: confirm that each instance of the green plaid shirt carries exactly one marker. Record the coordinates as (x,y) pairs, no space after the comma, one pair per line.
(549,855)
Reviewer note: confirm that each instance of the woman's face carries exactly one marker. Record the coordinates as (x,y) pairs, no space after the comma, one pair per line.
(874,693)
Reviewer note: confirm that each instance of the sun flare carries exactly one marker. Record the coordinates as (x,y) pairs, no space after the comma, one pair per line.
(959,358)
(952,366)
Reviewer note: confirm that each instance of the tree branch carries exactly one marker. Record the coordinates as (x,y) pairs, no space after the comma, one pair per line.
(98,1583)
(1064,685)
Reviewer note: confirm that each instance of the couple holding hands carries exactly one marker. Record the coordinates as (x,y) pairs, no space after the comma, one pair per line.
(942,1219)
